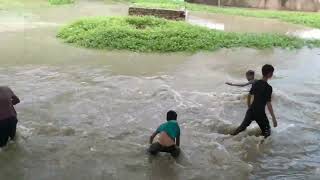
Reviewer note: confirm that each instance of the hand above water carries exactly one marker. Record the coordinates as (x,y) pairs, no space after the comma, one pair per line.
(275,123)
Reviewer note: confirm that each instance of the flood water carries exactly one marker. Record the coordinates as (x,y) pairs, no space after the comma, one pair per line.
(250,24)
(88,114)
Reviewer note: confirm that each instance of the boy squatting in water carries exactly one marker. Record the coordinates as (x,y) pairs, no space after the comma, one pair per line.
(169,138)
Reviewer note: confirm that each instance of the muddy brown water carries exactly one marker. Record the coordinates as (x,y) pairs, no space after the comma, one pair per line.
(241,24)
(87,114)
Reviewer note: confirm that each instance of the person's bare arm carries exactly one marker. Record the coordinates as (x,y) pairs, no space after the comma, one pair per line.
(178,141)
(274,120)
(249,100)
(152,137)
(238,84)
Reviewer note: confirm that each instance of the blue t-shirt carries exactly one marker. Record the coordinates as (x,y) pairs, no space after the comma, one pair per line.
(171,128)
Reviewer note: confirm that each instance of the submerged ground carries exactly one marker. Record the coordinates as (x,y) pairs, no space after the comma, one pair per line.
(87,114)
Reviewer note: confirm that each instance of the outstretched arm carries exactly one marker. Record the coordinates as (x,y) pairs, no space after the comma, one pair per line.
(238,84)
(274,120)
(152,137)
(178,141)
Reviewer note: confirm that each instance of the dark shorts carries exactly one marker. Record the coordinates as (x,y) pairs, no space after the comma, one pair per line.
(7,130)
(155,148)
(260,117)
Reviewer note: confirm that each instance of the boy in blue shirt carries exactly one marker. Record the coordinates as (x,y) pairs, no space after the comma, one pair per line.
(169,138)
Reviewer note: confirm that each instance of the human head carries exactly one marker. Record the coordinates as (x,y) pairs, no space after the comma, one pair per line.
(250,75)
(267,71)
(171,115)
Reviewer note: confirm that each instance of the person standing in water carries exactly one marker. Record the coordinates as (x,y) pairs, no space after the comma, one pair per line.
(262,93)
(8,115)
(169,139)
(250,78)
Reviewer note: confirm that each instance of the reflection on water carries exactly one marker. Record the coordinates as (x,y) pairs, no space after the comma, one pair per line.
(203,22)
(231,23)
(87,114)
(86,117)
(308,34)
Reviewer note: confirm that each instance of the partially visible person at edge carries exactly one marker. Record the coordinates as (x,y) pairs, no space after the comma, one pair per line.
(8,115)
(262,93)
(169,137)
(250,78)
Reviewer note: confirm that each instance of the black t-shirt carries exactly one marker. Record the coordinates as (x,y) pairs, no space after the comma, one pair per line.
(262,92)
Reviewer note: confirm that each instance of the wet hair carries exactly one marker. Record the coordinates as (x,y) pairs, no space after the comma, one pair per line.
(171,115)
(266,69)
(250,73)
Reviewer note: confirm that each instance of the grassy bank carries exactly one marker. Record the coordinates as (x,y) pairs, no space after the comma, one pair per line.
(303,18)
(60,2)
(148,34)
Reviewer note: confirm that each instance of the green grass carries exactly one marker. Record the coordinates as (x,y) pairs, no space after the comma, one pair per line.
(149,34)
(60,2)
(303,18)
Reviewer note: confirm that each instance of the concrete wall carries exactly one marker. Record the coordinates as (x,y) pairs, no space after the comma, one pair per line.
(163,13)
(297,5)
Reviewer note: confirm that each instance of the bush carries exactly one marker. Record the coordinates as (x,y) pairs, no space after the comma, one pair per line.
(150,34)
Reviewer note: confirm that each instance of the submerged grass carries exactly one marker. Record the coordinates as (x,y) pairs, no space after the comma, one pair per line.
(150,34)
(304,18)
(60,2)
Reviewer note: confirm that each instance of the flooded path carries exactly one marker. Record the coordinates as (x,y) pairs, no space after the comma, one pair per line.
(88,114)
(230,23)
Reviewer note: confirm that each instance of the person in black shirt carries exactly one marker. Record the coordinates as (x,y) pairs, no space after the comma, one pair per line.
(262,92)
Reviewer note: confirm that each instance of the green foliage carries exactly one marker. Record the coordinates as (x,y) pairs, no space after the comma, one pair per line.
(150,34)
(59,2)
(304,18)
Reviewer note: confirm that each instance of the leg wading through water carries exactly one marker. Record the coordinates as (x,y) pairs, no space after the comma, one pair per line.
(260,118)
(7,130)
(4,135)
(12,128)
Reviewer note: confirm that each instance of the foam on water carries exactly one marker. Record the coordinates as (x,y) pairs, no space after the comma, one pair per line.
(90,112)
(308,34)
(93,111)
(41,119)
